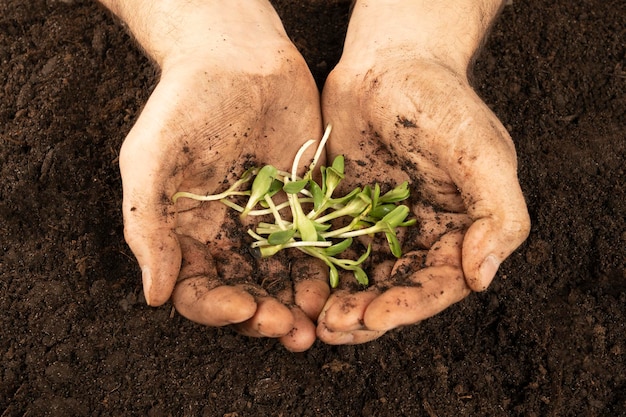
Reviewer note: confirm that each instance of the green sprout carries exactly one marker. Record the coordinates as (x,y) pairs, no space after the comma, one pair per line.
(313,208)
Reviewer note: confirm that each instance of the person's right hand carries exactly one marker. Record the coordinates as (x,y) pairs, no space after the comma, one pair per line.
(234,93)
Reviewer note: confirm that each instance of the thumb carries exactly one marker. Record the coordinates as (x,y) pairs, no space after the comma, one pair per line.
(149,216)
(157,251)
(494,200)
(488,242)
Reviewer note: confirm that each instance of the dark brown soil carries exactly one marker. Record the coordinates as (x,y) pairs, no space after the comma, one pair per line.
(547,339)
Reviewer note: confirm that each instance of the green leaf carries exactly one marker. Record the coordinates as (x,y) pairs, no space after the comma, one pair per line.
(354,208)
(338,247)
(281,237)
(347,197)
(295,187)
(376,195)
(368,191)
(373,194)
(322,227)
(267,251)
(401,192)
(333,177)
(333,276)
(396,216)
(382,210)
(360,276)
(276,186)
(307,230)
(260,186)
(323,172)
(394,244)
(317,193)
(410,222)
(339,164)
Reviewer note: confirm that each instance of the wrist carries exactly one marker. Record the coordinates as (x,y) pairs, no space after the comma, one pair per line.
(170,30)
(447,32)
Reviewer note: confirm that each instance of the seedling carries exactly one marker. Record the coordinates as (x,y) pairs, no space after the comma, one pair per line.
(311,230)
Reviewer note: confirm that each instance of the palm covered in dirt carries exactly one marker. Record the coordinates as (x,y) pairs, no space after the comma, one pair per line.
(224,105)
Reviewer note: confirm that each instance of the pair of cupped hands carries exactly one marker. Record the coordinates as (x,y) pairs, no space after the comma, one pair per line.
(239,94)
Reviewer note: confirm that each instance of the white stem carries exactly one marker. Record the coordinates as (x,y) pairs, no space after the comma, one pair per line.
(320,148)
(259,238)
(212,197)
(296,160)
(279,220)
(294,244)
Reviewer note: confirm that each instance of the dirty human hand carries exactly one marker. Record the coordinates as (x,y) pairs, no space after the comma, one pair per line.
(402,109)
(233,93)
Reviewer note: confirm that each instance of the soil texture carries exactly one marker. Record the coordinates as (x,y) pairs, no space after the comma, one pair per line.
(548,338)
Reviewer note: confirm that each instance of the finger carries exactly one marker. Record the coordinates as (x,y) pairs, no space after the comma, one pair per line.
(444,252)
(274,316)
(433,290)
(489,241)
(271,319)
(344,310)
(486,174)
(302,336)
(341,320)
(148,230)
(199,294)
(349,331)
(352,337)
(347,338)
(148,167)
(312,290)
(149,219)
(304,271)
(215,307)
(422,284)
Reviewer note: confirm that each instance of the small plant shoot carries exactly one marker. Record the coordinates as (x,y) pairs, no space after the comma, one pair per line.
(312,210)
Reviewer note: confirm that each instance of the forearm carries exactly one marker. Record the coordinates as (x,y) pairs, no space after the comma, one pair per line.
(167,29)
(447,31)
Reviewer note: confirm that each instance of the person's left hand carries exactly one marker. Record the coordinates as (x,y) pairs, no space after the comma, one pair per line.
(410,120)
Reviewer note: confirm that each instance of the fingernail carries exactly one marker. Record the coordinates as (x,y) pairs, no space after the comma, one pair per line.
(488,270)
(146,277)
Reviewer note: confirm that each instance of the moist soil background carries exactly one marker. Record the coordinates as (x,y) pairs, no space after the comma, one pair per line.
(548,338)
